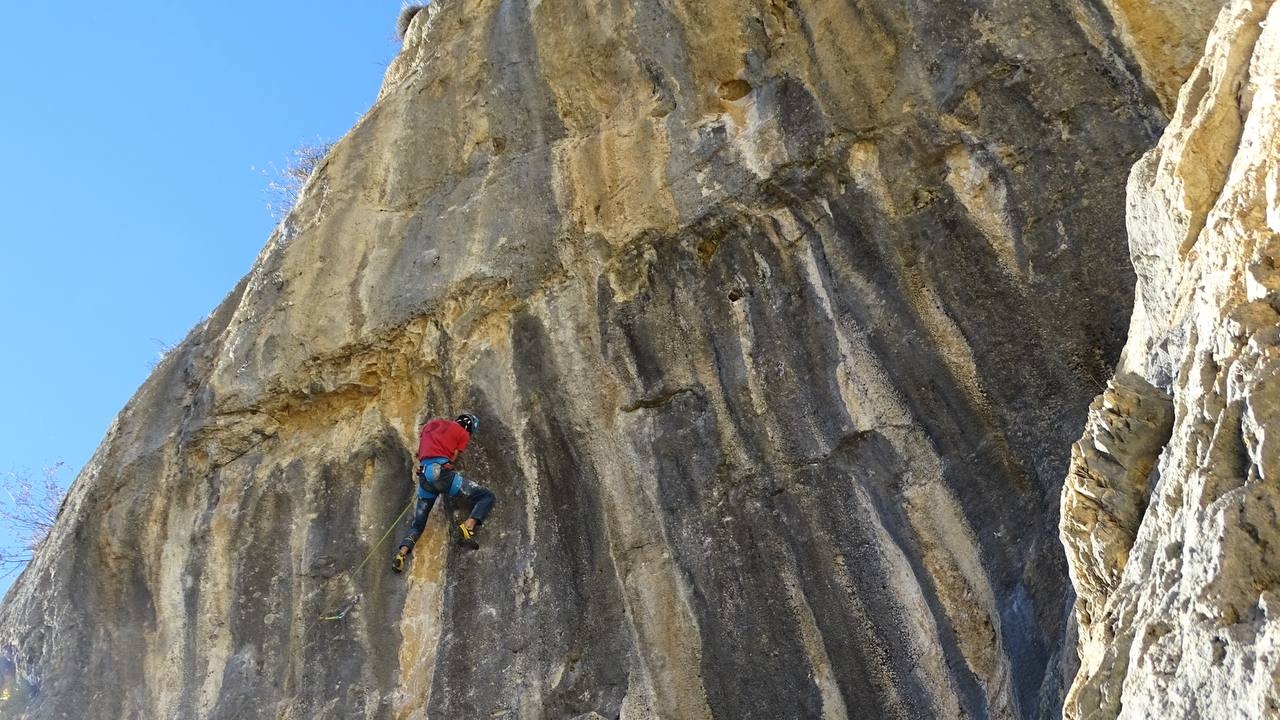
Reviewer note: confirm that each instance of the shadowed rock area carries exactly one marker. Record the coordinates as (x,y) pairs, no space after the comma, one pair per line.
(780,317)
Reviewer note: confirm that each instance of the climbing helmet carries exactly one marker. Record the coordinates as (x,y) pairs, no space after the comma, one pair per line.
(468,422)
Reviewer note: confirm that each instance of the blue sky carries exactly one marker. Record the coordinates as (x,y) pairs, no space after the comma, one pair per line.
(133,136)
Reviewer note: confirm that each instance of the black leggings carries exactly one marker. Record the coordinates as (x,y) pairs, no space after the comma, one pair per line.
(481,499)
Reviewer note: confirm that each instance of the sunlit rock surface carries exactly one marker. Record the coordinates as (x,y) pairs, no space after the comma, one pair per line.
(1170,509)
(781,319)
(1165,38)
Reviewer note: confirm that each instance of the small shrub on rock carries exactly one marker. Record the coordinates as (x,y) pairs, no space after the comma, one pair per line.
(407,14)
(284,184)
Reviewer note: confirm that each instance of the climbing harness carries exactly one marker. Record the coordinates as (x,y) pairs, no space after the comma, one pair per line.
(429,473)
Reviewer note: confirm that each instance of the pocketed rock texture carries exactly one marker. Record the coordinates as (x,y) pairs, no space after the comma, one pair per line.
(780,319)
(1107,490)
(1178,570)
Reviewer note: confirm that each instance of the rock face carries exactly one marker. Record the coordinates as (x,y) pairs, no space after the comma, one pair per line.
(780,319)
(1170,509)
(1165,38)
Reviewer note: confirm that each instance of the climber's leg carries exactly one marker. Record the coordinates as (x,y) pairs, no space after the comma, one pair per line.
(482,501)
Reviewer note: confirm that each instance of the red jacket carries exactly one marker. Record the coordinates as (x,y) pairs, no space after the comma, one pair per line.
(442,438)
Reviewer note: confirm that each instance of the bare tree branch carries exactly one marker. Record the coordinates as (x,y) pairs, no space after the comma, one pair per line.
(28,508)
(284,184)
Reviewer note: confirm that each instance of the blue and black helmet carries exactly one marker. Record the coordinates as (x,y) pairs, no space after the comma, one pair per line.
(469,422)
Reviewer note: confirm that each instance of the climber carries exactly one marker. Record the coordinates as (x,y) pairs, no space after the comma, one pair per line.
(439,445)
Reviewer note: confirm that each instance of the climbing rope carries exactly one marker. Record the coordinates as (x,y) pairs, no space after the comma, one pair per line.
(384,535)
(347,608)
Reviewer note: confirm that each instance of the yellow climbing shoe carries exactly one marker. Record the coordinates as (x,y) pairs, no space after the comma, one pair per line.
(468,537)
(397,562)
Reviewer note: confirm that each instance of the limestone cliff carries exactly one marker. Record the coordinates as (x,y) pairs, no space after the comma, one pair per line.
(1170,510)
(780,318)
(1165,38)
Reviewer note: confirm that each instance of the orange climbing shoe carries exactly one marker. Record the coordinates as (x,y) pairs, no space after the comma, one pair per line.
(468,537)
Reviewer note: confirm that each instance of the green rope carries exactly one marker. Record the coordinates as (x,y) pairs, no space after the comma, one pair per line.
(384,535)
(372,550)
